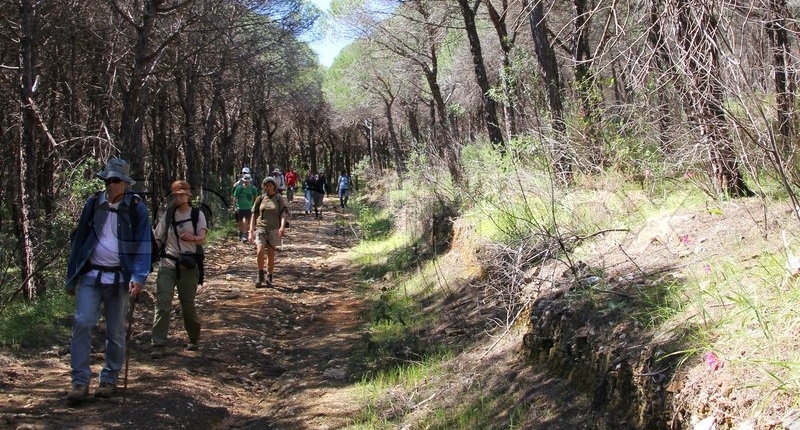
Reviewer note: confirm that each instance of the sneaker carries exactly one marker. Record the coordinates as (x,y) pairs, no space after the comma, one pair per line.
(105,390)
(192,346)
(78,394)
(260,280)
(157,353)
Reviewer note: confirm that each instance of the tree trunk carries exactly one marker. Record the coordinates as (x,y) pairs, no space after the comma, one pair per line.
(585,84)
(784,88)
(662,63)
(498,19)
(548,66)
(489,107)
(186,84)
(397,152)
(702,54)
(130,145)
(28,194)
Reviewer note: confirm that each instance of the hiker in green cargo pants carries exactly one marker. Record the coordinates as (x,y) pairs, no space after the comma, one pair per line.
(179,238)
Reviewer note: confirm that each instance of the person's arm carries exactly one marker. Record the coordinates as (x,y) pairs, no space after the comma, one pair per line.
(236,192)
(253,217)
(142,259)
(77,254)
(199,237)
(284,213)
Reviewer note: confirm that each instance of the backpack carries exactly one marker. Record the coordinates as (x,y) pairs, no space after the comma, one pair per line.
(199,256)
(154,249)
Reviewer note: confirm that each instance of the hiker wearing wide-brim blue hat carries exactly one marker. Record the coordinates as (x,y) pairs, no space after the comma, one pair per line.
(109,262)
(117,168)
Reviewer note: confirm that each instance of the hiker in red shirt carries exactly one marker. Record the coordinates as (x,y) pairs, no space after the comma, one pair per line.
(291,183)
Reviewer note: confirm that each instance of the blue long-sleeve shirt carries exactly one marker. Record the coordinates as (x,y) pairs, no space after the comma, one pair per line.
(134,240)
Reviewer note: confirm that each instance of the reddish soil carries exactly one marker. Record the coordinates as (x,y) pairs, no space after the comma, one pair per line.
(268,358)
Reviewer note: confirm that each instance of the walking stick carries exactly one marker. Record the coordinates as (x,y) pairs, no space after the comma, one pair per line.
(127,349)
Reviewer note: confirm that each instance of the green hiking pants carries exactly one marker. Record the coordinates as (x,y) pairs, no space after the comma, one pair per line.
(166,283)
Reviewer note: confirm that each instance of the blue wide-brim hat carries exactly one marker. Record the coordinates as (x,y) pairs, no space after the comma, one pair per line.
(117,168)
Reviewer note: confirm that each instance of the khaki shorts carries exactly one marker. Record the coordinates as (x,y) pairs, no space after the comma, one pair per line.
(269,238)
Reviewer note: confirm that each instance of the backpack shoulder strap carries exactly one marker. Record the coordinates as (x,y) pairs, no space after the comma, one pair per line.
(258,200)
(281,204)
(195,217)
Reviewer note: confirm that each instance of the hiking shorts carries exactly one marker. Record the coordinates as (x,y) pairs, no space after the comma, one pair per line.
(269,238)
(243,214)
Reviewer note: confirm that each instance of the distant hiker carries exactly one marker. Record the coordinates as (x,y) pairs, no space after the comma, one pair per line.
(240,179)
(319,187)
(179,232)
(291,183)
(109,262)
(343,188)
(307,185)
(243,197)
(267,228)
(276,173)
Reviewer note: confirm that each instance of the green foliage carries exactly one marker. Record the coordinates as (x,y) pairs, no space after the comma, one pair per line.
(482,412)
(36,324)
(373,225)
(744,313)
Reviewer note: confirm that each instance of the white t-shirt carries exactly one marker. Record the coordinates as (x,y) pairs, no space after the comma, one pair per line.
(106,250)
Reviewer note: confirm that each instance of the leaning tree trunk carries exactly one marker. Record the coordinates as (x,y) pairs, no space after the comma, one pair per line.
(26,156)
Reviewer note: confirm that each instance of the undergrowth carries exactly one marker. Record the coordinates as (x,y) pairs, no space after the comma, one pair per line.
(513,220)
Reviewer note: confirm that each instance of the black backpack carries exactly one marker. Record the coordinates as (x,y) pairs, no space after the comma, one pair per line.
(199,256)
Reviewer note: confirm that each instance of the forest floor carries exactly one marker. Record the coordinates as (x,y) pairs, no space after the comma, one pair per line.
(279,358)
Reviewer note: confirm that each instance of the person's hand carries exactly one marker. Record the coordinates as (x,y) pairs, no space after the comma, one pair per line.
(282,232)
(135,288)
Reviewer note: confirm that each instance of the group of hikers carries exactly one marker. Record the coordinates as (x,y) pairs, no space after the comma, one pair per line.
(113,249)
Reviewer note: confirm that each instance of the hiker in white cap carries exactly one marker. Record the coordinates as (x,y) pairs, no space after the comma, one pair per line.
(243,197)
(240,180)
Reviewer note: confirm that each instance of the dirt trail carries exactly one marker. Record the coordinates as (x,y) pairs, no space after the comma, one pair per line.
(272,358)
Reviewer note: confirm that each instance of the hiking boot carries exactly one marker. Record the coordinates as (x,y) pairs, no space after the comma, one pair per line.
(260,280)
(78,394)
(269,279)
(157,352)
(192,346)
(105,390)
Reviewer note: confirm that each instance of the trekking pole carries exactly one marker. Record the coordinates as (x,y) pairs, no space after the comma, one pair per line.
(127,350)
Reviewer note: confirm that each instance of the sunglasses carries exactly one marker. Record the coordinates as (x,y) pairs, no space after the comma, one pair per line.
(113,181)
